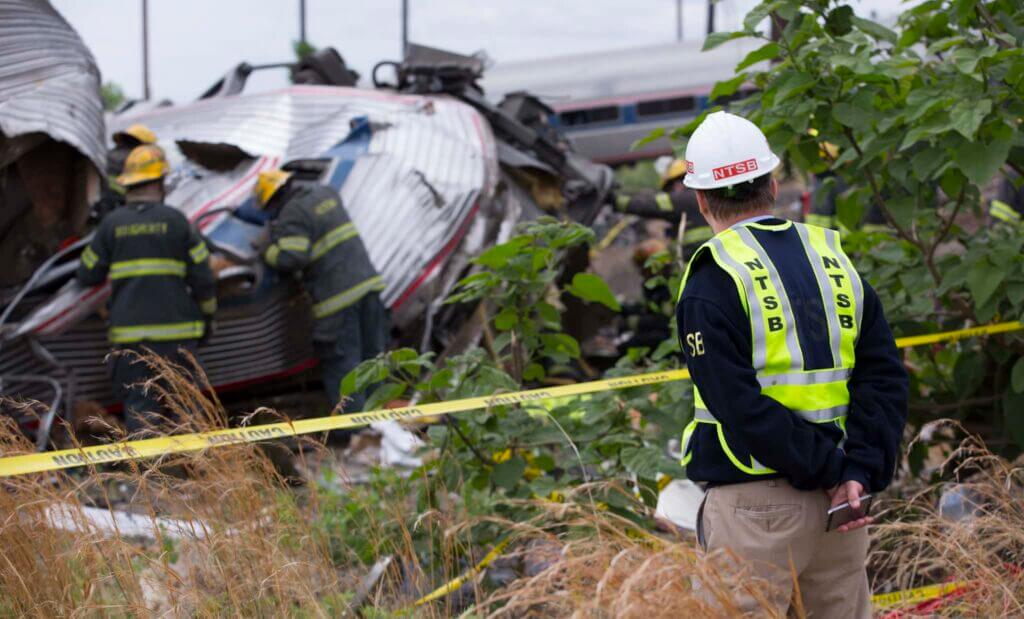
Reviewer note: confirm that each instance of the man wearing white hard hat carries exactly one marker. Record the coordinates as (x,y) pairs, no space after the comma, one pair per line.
(800,395)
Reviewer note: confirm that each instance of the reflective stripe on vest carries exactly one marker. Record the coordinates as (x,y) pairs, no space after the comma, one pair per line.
(332,239)
(1003,212)
(199,253)
(345,298)
(89,257)
(146,267)
(157,333)
(817,396)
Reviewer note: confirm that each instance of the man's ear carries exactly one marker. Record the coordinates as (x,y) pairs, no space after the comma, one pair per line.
(775,188)
(702,203)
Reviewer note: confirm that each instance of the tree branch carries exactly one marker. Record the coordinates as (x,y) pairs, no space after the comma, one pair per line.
(476,452)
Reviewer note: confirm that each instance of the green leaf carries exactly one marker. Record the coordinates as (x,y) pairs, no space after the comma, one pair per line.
(715,39)
(968,373)
(506,319)
(852,115)
(1017,376)
(560,344)
(533,371)
(983,280)
(499,255)
(728,87)
(968,115)
(875,29)
(980,161)
(643,461)
(791,85)
(850,209)
(653,136)
(768,51)
(839,21)
(508,473)
(593,288)
(927,161)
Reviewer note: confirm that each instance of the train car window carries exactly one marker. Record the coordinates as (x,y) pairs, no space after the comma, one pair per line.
(589,116)
(658,107)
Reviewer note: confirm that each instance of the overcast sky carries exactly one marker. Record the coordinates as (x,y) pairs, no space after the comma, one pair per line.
(194,42)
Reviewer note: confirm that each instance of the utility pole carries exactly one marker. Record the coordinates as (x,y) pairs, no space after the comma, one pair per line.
(679,21)
(302,21)
(405,27)
(145,49)
(711,16)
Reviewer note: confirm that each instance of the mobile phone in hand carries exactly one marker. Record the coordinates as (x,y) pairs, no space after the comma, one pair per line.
(843,514)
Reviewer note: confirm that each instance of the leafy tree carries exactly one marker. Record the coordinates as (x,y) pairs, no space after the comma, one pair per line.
(496,457)
(112,95)
(303,49)
(923,118)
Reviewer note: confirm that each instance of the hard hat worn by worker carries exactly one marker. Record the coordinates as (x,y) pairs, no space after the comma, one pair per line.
(727,150)
(674,171)
(145,164)
(268,183)
(134,135)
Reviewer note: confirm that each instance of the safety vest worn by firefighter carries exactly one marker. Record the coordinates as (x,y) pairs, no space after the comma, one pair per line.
(818,396)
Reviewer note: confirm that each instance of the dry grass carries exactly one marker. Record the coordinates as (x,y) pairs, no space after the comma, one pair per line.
(918,546)
(258,545)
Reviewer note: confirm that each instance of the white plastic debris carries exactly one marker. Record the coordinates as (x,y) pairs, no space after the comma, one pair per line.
(398,446)
(678,503)
(123,524)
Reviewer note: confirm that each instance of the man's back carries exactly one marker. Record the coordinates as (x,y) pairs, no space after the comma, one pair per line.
(314,234)
(156,262)
(818,318)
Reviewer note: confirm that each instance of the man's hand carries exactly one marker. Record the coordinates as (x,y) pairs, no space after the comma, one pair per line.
(849,491)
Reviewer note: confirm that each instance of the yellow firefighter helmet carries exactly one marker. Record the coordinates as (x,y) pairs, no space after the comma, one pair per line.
(268,183)
(134,135)
(674,171)
(144,164)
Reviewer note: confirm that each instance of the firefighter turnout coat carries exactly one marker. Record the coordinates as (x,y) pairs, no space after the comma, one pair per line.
(158,265)
(313,234)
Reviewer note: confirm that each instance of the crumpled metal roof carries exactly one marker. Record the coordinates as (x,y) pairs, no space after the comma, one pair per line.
(412,190)
(49,82)
(428,163)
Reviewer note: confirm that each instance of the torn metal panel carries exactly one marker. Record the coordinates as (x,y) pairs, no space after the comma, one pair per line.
(49,82)
(51,135)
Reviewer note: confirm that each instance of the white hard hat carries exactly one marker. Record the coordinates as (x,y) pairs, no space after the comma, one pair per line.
(726,150)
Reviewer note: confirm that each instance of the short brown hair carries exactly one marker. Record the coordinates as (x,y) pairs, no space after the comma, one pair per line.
(746,197)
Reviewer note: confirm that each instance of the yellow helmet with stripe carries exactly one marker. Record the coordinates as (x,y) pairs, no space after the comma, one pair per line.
(134,135)
(145,163)
(268,183)
(674,171)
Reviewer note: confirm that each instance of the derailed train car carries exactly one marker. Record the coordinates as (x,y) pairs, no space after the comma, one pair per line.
(430,172)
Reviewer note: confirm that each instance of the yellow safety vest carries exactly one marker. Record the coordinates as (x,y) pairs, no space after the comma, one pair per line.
(818,396)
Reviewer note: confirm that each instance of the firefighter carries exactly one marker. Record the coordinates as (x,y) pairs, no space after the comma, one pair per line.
(800,394)
(314,236)
(124,142)
(163,295)
(648,322)
(670,203)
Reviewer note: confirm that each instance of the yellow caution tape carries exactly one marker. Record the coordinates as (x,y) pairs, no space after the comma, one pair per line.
(920,594)
(458,581)
(152,447)
(959,334)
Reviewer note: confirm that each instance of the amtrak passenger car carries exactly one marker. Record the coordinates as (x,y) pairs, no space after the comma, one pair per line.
(605,102)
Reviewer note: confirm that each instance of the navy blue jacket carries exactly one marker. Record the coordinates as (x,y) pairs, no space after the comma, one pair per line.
(804,453)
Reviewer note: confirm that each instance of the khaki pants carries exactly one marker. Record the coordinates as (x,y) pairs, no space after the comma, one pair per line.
(781,531)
